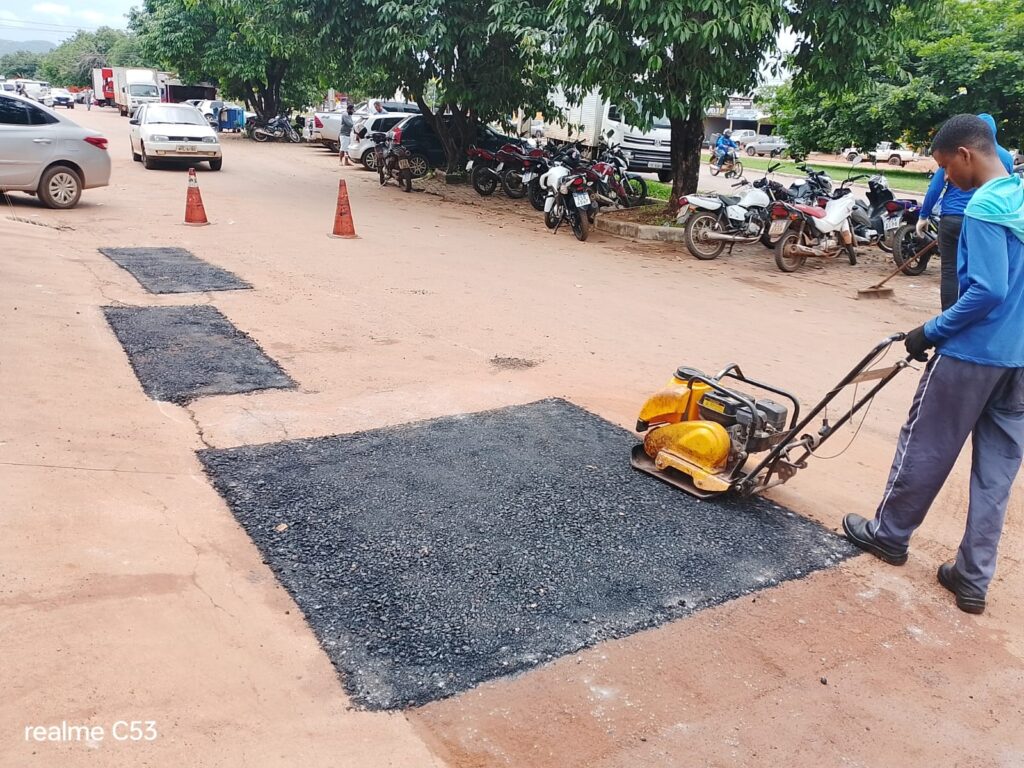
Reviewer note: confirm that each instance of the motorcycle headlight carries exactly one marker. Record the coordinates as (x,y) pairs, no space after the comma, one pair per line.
(159,138)
(209,139)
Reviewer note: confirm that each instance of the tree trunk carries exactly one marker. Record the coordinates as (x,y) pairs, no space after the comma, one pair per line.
(455,133)
(687,138)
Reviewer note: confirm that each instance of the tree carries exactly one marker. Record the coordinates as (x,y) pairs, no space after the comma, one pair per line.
(20,64)
(72,62)
(480,60)
(678,57)
(263,53)
(968,58)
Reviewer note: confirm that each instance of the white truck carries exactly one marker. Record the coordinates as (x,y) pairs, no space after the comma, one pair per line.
(133,88)
(595,120)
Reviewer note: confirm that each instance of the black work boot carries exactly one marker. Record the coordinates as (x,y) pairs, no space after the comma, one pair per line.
(967,599)
(856,529)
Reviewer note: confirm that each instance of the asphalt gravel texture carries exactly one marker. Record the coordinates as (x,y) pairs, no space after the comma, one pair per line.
(173,270)
(430,557)
(181,353)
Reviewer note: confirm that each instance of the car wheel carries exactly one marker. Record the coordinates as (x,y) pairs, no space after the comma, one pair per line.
(664,176)
(419,166)
(896,160)
(217,164)
(369,159)
(751,151)
(136,157)
(147,162)
(60,187)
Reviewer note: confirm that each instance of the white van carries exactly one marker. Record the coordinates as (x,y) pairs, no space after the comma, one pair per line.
(595,120)
(38,90)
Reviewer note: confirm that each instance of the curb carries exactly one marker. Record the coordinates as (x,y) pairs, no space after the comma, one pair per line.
(608,222)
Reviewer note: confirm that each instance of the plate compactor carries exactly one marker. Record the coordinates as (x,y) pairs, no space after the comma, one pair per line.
(705,433)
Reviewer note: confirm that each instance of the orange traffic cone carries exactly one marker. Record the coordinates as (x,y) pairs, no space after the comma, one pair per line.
(195,213)
(343,224)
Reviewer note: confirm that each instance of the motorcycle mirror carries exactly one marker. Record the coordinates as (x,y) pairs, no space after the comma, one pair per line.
(856,159)
(610,133)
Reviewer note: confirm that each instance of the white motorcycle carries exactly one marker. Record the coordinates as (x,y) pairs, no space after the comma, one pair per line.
(813,231)
(714,221)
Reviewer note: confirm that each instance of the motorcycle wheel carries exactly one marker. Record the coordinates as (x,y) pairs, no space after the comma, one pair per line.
(512,184)
(537,195)
(580,225)
(406,180)
(736,171)
(636,189)
(260,136)
(885,241)
(905,245)
(714,168)
(783,260)
(695,235)
(766,238)
(484,182)
(554,216)
(851,253)
(381,174)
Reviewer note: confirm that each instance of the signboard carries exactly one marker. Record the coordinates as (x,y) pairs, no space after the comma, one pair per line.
(742,114)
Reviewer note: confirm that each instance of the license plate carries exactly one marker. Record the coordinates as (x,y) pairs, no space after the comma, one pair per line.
(778,227)
(527,178)
(652,164)
(403,163)
(186,148)
(892,222)
(469,166)
(582,199)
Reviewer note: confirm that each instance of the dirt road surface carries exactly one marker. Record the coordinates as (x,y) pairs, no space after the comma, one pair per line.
(131,594)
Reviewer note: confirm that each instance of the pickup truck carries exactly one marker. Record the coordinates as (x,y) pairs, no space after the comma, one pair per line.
(886,152)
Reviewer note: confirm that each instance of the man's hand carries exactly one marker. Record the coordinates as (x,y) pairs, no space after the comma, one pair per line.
(922,226)
(917,344)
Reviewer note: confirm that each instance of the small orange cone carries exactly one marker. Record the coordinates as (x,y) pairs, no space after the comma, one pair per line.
(195,213)
(343,224)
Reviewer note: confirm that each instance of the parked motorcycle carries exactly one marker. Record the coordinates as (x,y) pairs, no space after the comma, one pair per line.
(568,199)
(392,161)
(480,167)
(822,232)
(714,221)
(614,182)
(875,222)
(277,128)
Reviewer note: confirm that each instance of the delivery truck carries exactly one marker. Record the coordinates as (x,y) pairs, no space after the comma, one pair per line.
(133,88)
(595,120)
(103,86)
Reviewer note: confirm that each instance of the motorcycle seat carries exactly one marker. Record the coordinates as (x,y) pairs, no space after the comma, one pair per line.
(730,199)
(811,210)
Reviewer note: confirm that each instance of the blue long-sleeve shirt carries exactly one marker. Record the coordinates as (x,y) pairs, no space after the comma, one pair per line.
(724,144)
(986,325)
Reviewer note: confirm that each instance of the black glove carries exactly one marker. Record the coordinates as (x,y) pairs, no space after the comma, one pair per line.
(917,344)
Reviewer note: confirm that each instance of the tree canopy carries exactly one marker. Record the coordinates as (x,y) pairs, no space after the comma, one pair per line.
(967,57)
(679,57)
(72,62)
(20,64)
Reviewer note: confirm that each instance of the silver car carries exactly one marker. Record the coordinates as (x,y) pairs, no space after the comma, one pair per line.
(765,145)
(47,154)
(361,149)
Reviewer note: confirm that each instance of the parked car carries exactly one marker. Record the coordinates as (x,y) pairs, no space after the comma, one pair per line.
(327,133)
(173,132)
(210,108)
(886,152)
(47,154)
(365,107)
(743,135)
(9,86)
(363,149)
(765,145)
(415,134)
(62,98)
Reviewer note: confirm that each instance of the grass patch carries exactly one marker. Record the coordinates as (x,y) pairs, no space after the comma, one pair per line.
(658,190)
(911,181)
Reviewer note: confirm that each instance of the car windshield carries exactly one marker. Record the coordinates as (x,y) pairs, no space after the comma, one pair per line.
(174,116)
(142,89)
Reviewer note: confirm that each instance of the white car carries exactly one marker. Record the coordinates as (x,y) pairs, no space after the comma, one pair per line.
(47,154)
(173,132)
(362,150)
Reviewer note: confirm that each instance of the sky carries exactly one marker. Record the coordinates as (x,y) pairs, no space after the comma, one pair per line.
(55,20)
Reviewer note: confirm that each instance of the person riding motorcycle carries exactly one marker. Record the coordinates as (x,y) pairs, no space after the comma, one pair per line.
(724,145)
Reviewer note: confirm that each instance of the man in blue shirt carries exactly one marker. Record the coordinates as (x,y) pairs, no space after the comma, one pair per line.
(954,200)
(723,145)
(974,384)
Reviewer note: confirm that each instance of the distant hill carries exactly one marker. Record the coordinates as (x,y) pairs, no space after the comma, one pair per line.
(32,46)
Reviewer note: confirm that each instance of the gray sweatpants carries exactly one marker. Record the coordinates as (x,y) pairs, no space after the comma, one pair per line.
(949,241)
(956,399)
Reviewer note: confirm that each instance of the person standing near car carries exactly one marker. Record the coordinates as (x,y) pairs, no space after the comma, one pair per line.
(88,99)
(953,202)
(345,135)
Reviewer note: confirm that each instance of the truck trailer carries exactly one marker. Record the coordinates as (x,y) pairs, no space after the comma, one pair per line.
(133,88)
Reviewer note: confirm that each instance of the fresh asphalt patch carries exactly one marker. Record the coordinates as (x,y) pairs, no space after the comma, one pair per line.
(173,270)
(181,353)
(433,556)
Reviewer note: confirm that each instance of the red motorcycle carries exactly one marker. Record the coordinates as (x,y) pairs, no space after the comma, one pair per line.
(481,169)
